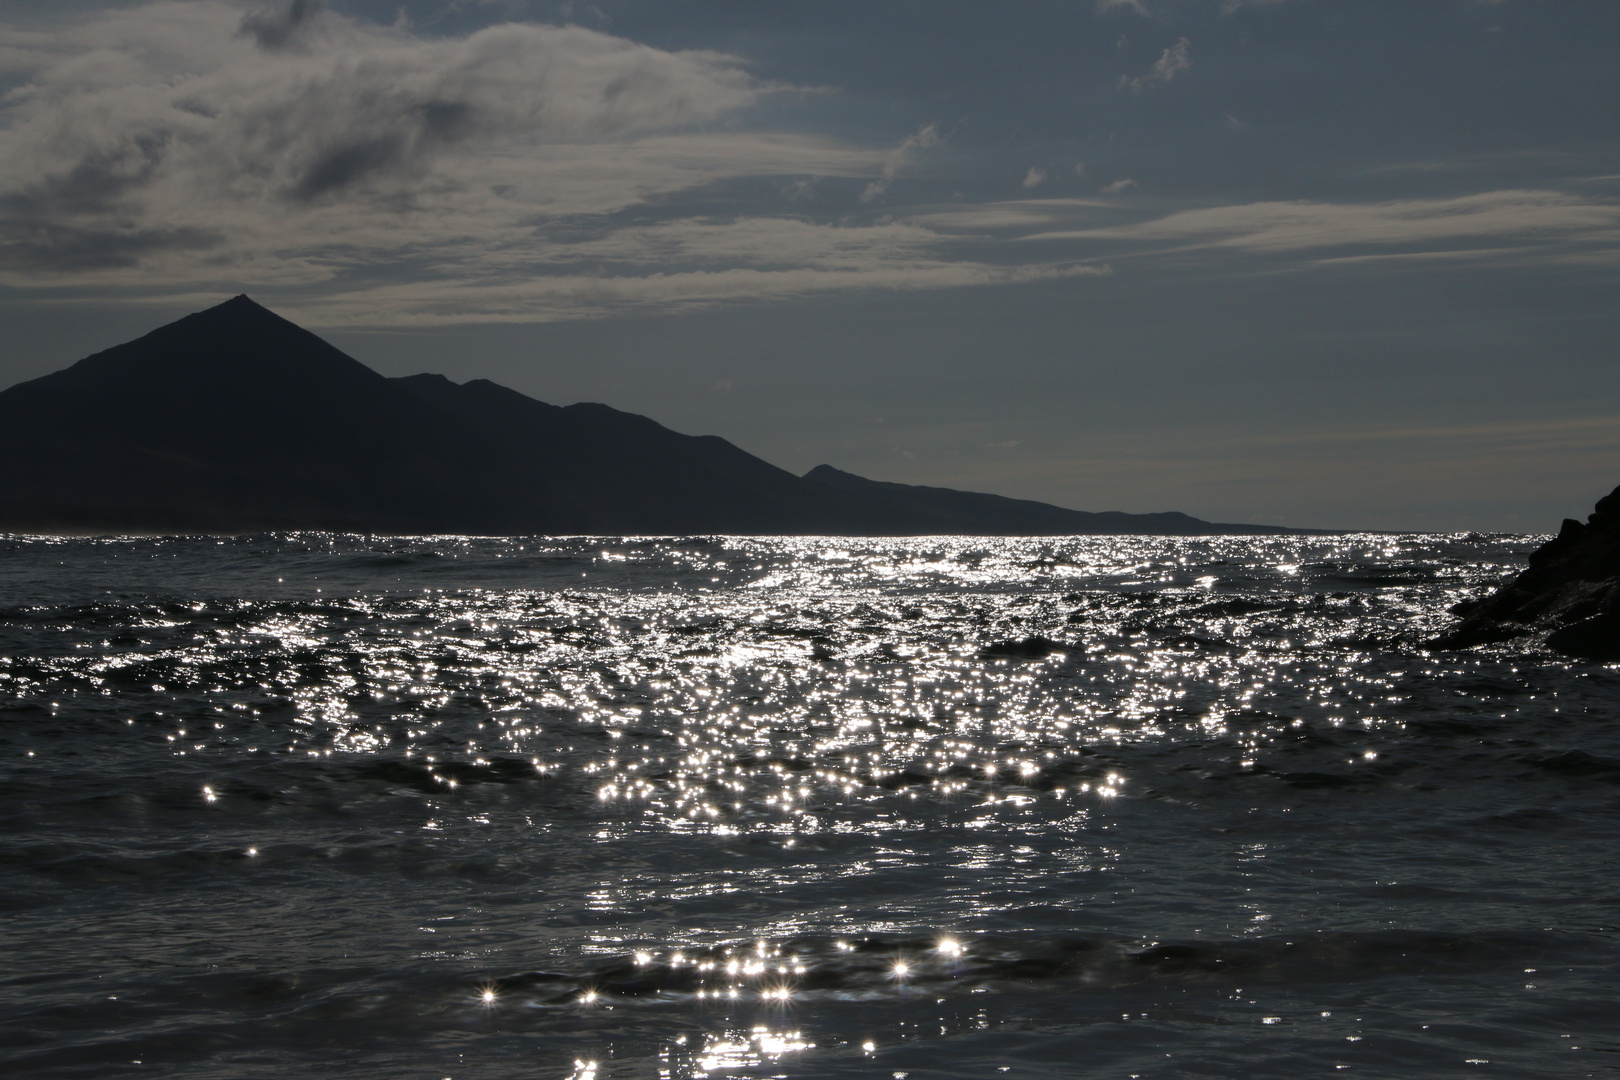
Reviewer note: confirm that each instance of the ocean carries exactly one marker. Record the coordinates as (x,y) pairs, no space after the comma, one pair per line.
(590,808)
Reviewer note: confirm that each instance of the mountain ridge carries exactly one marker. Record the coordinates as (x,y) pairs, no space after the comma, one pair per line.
(234,419)
(1037,517)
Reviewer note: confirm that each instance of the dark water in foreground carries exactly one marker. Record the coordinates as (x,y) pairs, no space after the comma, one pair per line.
(1101,807)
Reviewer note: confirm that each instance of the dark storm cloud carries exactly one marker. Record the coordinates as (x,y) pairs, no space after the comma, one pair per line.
(277,29)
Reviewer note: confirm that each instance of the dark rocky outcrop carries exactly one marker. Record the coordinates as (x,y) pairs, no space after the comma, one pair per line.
(1568,598)
(236,420)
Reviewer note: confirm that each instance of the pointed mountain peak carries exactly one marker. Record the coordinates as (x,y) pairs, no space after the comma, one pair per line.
(232,341)
(238,309)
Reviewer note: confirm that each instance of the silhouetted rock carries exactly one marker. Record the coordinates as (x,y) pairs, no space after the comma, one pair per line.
(236,420)
(1568,598)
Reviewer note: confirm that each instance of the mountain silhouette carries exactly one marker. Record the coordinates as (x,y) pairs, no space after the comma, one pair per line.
(236,420)
(976,513)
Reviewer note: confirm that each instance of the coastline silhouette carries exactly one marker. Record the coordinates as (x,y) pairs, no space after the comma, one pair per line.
(235,419)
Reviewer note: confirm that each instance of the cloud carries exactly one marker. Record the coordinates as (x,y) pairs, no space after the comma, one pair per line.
(563,297)
(1138,6)
(1034,177)
(275,30)
(1490,226)
(1124,183)
(1020,215)
(1172,62)
(364,175)
(927,136)
(137,113)
(169,147)
(1229,6)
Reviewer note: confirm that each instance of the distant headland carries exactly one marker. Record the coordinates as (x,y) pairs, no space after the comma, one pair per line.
(236,420)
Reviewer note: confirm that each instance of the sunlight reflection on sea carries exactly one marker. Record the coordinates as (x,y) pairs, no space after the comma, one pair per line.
(770,806)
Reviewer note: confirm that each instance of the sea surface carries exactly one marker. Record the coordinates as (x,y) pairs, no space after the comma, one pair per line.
(311,805)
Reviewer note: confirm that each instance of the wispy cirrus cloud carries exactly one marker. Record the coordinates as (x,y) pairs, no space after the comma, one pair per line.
(1493,222)
(550,298)
(1172,62)
(1137,6)
(1494,228)
(1229,6)
(925,138)
(1018,216)
(680,265)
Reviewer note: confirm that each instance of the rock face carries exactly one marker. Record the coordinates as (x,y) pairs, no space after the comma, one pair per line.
(1568,598)
(236,420)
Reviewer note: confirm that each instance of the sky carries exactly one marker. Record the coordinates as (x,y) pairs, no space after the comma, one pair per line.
(1330,263)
